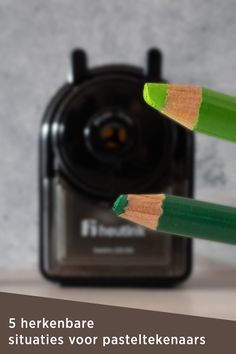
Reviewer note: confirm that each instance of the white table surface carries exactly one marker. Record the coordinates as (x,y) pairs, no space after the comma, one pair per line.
(210,292)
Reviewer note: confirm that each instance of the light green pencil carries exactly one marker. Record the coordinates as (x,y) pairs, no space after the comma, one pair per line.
(196,108)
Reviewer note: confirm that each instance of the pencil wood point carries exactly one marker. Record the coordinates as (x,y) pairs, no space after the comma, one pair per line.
(179,102)
(146,208)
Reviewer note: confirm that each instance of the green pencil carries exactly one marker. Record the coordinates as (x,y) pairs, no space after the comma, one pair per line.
(179,216)
(194,107)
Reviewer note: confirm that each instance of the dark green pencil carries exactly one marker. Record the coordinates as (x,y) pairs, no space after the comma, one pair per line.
(179,216)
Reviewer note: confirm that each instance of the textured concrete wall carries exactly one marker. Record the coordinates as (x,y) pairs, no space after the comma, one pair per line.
(35,38)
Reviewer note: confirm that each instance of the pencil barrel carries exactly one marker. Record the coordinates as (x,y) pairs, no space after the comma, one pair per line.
(191,218)
(217,115)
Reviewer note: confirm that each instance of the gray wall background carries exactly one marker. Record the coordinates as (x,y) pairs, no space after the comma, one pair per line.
(197,38)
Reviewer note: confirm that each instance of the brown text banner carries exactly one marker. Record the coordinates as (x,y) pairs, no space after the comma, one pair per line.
(41,325)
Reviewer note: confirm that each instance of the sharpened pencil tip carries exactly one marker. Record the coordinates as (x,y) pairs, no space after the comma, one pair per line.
(120,204)
(155,95)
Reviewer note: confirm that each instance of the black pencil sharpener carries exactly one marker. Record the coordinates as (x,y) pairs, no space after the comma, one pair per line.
(98,139)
